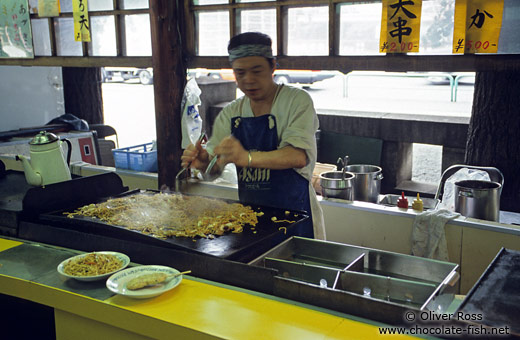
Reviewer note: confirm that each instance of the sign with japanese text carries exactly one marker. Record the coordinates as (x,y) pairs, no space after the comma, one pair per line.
(81,20)
(400,26)
(48,8)
(15,30)
(477,26)
(383,42)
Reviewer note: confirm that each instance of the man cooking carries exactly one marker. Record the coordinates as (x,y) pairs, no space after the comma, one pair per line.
(269,134)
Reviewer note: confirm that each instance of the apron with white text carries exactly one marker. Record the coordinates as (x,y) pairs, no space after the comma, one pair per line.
(278,188)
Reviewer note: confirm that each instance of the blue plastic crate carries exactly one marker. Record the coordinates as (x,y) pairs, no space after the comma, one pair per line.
(139,158)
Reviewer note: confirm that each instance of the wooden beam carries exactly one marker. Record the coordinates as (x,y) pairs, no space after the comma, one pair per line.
(169,81)
(390,63)
(141,62)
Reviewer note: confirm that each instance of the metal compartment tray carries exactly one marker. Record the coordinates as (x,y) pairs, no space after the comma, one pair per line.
(368,282)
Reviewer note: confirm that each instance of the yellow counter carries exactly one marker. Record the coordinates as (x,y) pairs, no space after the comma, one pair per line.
(196,309)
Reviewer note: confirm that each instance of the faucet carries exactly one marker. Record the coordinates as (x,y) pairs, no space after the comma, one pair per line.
(344,162)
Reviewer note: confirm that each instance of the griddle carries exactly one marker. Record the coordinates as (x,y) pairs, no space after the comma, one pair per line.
(496,295)
(47,207)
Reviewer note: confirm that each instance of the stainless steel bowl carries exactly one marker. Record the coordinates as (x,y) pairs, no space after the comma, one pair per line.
(337,184)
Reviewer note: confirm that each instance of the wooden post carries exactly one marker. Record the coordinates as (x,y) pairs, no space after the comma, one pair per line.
(169,80)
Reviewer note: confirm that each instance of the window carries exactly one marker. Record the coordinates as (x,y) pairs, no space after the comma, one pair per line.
(259,20)
(213,32)
(114,32)
(307,32)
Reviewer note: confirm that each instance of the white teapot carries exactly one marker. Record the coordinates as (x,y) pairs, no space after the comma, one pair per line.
(47,164)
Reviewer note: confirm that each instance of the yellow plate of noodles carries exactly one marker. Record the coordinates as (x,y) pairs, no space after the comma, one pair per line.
(93,266)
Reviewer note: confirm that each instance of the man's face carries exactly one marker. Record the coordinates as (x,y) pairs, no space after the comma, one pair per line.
(254,76)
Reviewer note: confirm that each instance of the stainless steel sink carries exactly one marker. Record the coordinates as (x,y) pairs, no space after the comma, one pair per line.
(391,200)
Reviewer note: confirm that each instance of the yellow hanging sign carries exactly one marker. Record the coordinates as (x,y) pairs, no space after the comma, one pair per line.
(81,20)
(48,8)
(477,26)
(400,26)
(383,42)
(459,26)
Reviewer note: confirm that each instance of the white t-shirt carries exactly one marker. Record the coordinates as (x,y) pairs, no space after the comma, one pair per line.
(296,123)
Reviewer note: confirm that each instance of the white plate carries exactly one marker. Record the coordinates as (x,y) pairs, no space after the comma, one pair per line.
(122,257)
(117,282)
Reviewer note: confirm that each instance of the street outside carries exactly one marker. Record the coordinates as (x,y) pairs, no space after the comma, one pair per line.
(129,108)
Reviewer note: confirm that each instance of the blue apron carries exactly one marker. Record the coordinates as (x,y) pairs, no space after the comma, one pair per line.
(278,188)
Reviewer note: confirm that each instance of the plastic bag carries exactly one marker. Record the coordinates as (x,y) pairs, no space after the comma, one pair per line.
(191,121)
(448,197)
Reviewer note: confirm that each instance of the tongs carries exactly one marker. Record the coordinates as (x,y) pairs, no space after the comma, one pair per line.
(183,170)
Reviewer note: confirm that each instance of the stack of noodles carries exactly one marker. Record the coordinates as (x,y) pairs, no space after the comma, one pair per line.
(165,215)
(93,264)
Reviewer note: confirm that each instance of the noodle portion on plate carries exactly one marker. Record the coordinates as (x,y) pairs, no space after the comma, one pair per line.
(93,266)
(165,215)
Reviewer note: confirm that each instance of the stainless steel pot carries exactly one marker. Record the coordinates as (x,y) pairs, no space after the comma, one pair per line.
(478,199)
(336,184)
(367,182)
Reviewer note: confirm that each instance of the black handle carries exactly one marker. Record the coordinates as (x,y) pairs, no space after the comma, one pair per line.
(69,152)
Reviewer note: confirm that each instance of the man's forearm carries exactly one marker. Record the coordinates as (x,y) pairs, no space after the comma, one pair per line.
(285,158)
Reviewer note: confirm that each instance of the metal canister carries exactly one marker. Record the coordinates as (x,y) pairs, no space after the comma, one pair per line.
(336,184)
(478,199)
(367,181)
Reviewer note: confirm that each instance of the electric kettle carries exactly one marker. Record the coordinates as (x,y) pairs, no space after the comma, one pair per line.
(47,164)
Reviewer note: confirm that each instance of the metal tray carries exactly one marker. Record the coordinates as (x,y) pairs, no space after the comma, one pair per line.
(240,247)
(363,281)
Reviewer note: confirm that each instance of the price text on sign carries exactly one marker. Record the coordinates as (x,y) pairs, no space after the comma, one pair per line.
(400,28)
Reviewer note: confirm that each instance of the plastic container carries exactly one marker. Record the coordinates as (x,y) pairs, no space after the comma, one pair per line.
(139,158)
(402,202)
(417,203)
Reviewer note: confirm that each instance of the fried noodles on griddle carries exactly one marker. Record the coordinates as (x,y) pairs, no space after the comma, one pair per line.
(166,215)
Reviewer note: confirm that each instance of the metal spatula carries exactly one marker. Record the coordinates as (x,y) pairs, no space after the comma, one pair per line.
(207,173)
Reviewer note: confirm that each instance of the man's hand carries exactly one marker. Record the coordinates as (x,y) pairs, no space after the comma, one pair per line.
(195,157)
(230,150)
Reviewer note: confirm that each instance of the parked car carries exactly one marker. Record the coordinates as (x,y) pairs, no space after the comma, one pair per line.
(145,75)
(302,77)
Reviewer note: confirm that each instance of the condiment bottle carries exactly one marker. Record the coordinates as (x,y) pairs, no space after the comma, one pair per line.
(417,204)
(402,202)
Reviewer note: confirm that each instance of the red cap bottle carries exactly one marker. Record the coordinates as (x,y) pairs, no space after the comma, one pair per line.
(402,202)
